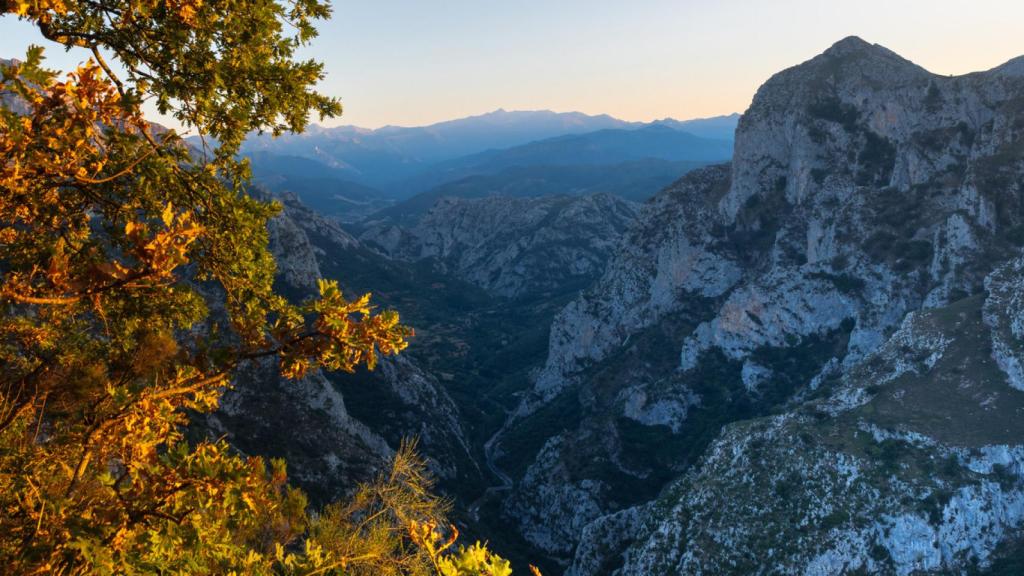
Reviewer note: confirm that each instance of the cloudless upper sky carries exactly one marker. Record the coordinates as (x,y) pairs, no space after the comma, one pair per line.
(414,62)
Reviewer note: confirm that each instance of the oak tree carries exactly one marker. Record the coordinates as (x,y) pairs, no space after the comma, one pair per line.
(135,277)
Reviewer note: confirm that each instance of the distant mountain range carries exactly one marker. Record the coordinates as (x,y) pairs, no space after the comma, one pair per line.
(350,172)
(325,189)
(600,148)
(390,153)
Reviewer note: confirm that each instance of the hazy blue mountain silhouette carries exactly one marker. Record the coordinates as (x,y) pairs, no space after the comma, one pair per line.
(389,157)
(351,172)
(600,148)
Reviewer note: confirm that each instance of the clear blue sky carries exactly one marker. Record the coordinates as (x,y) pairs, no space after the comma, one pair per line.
(413,62)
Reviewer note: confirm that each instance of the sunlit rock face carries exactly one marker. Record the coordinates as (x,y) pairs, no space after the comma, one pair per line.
(866,196)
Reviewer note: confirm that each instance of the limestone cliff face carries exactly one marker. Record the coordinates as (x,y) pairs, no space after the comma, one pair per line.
(662,258)
(512,247)
(864,191)
(1004,315)
(909,462)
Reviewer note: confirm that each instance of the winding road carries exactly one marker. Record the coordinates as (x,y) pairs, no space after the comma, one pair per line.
(505,479)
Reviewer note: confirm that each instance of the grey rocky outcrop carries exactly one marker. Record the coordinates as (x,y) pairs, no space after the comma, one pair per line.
(865,194)
(512,247)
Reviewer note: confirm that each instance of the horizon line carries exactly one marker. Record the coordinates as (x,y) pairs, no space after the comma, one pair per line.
(519,111)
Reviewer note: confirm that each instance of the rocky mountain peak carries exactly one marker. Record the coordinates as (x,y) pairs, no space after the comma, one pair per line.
(849,67)
(855,45)
(854,59)
(851,44)
(860,112)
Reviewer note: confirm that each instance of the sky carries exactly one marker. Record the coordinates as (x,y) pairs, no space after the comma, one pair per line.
(412,62)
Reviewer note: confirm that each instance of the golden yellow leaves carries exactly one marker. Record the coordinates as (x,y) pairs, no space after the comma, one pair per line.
(164,251)
(167,215)
(36,8)
(93,98)
(154,258)
(427,536)
(59,141)
(187,10)
(473,560)
(46,150)
(160,253)
(44,10)
(344,334)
